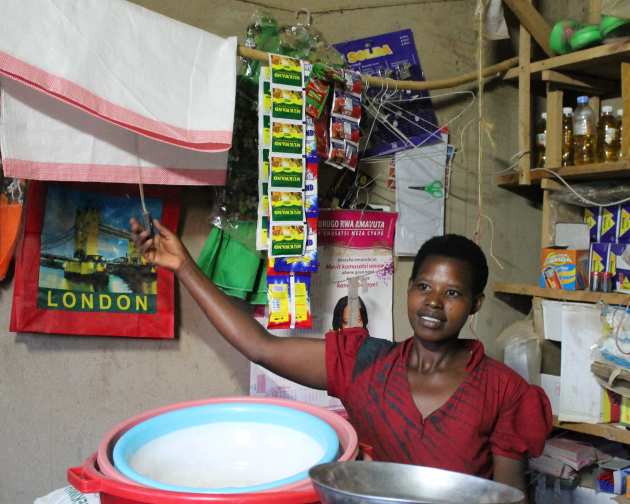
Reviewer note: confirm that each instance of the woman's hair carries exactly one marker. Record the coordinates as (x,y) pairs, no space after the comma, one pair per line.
(337,320)
(456,247)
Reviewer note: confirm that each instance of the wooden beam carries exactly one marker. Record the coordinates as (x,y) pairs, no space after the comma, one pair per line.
(599,60)
(594,11)
(553,149)
(533,22)
(551,185)
(595,103)
(547,229)
(584,296)
(618,434)
(490,71)
(595,171)
(524,107)
(581,83)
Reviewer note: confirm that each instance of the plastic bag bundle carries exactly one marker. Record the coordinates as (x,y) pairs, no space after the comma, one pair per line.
(68,495)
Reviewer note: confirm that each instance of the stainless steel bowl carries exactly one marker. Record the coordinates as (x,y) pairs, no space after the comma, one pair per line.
(387,483)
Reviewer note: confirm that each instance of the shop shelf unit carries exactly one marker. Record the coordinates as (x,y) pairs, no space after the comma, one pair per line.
(599,72)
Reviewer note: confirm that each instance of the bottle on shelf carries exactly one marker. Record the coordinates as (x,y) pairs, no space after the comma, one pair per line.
(620,128)
(567,136)
(584,136)
(608,142)
(541,140)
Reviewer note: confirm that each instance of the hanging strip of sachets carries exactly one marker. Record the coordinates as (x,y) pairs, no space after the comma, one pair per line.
(343,151)
(288,208)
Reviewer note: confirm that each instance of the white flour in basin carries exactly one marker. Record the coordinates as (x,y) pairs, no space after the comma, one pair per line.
(226,454)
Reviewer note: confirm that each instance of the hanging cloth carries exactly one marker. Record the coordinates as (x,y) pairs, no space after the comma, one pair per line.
(169,87)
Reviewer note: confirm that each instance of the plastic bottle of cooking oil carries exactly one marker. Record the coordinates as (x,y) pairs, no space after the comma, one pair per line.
(608,136)
(541,140)
(567,136)
(620,128)
(584,136)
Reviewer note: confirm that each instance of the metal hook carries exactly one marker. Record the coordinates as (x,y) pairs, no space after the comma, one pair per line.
(307,13)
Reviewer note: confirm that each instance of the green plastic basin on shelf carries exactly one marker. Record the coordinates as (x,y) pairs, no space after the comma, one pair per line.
(586,37)
(561,34)
(610,24)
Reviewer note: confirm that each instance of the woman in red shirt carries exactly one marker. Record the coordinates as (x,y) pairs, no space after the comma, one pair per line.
(432,400)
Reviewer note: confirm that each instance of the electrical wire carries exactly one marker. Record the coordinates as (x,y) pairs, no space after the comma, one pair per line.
(578,195)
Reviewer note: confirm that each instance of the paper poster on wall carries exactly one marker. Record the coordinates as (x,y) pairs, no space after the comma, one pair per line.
(420,193)
(78,271)
(393,55)
(353,244)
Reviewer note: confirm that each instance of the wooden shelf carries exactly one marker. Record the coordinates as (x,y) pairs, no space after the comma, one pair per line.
(612,432)
(583,296)
(602,61)
(594,171)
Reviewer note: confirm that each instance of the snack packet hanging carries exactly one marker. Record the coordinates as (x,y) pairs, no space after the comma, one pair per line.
(287,240)
(337,154)
(264,199)
(264,91)
(287,137)
(286,206)
(287,103)
(307,263)
(344,129)
(346,105)
(286,71)
(351,156)
(311,201)
(264,109)
(279,301)
(317,92)
(301,301)
(352,82)
(311,140)
(287,171)
(262,232)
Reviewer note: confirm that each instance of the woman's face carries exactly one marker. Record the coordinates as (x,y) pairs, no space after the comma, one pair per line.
(345,319)
(440,299)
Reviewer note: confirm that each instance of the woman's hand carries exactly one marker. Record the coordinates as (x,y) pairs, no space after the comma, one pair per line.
(302,360)
(163,249)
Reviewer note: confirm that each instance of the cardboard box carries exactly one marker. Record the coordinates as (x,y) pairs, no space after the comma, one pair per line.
(564,268)
(623,227)
(552,319)
(609,222)
(592,220)
(612,476)
(581,394)
(620,253)
(600,259)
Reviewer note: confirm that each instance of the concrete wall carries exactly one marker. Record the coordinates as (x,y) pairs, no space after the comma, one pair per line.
(60,395)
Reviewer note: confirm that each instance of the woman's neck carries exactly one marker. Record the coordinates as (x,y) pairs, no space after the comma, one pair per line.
(429,356)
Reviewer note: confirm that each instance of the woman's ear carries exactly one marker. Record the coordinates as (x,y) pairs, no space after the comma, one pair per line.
(477,302)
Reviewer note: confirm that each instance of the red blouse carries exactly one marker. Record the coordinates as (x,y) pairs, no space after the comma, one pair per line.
(493,411)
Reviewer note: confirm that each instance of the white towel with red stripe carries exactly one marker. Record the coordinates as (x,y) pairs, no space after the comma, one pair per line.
(92,90)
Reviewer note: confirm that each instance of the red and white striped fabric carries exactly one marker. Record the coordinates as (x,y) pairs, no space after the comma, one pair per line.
(93,90)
